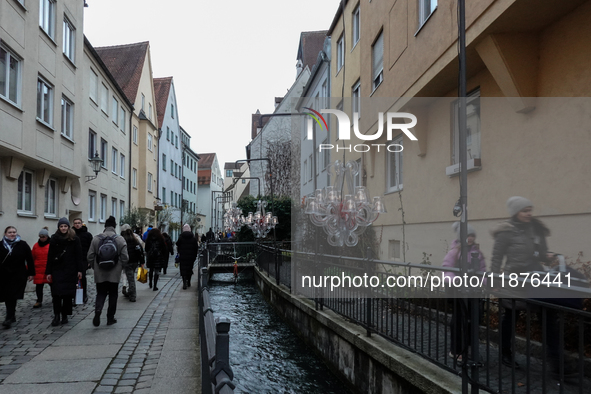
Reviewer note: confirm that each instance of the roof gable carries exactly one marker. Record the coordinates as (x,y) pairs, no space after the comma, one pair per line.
(206,160)
(311,42)
(161,91)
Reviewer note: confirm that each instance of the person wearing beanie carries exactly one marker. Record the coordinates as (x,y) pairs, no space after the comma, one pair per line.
(40,250)
(107,280)
(187,248)
(65,265)
(85,240)
(521,242)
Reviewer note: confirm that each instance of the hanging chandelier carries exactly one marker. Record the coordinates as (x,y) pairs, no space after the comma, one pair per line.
(261,223)
(233,218)
(344,219)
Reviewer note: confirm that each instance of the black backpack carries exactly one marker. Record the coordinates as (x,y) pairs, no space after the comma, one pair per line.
(108,254)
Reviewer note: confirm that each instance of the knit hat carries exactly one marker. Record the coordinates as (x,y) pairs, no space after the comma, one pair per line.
(125,227)
(516,203)
(111,222)
(63,220)
(456,227)
(186,227)
(43,232)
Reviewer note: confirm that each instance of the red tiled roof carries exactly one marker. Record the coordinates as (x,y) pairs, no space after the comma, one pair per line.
(206,160)
(125,62)
(311,43)
(161,91)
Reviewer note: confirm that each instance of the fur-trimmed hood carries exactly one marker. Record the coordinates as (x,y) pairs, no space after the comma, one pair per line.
(512,225)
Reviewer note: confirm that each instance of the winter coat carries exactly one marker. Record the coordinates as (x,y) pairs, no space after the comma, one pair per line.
(85,240)
(156,254)
(452,258)
(187,249)
(103,275)
(15,270)
(136,256)
(523,244)
(40,259)
(64,261)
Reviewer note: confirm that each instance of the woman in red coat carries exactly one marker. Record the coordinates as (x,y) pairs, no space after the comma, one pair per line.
(40,250)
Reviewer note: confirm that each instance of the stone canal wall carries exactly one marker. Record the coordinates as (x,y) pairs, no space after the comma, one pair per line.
(370,364)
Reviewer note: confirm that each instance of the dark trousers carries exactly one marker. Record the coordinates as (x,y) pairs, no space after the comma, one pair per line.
(154,273)
(10,308)
(39,291)
(103,290)
(552,331)
(62,305)
(459,322)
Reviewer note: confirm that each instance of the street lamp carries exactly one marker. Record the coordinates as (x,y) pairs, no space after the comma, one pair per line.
(95,164)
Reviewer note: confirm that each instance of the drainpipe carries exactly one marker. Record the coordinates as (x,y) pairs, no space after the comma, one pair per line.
(130,160)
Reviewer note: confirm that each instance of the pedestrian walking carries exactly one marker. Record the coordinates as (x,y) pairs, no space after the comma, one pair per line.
(145,236)
(135,251)
(40,251)
(124,280)
(460,324)
(156,256)
(170,248)
(210,236)
(187,248)
(107,256)
(85,240)
(16,266)
(64,269)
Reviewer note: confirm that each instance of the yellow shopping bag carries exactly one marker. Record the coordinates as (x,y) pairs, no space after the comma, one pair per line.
(142,275)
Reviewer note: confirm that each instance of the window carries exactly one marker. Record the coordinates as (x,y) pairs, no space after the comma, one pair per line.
(143,102)
(163,195)
(115,110)
(150,182)
(103,211)
(310,168)
(134,178)
(150,111)
(121,209)
(91,205)
(69,39)
(393,249)
(377,59)
(356,99)
(171,167)
(176,139)
(67,118)
(356,30)
(135,134)
(325,155)
(114,206)
(25,192)
(114,158)
(243,181)
(472,129)
(122,115)
(172,110)
(340,53)
(51,197)
(163,162)
(229,173)
(167,133)
(44,101)
(93,86)
(103,154)
(426,8)
(104,98)
(122,165)
(171,198)
(150,142)
(10,75)
(47,16)
(305,173)
(394,170)
(91,144)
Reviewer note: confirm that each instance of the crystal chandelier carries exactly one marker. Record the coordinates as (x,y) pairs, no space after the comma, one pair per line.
(344,220)
(261,223)
(233,218)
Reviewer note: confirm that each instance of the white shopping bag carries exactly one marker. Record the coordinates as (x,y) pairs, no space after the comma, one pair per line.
(79,294)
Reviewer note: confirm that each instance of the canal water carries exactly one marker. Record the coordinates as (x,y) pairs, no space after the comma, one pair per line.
(265,354)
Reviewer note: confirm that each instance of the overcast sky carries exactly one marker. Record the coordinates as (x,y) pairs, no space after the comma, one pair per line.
(228,58)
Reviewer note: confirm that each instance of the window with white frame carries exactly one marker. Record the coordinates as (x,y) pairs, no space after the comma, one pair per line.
(114,158)
(67,118)
(121,209)
(134,178)
(149,182)
(122,165)
(10,75)
(394,167)
(104,98)
(134,134)
(103,153)
(114,206)
(122,116)
(377,59)
(91,144)
(103,209)
(51,197)
(115,110)
(426,8)
(47,16)
(150,142)
(26,192)
(155,152)
(150,111)
(472,128)
(69,39)
(356,22)
(340,52)
(93,86)
(356,99)
(91,206)
(44,101)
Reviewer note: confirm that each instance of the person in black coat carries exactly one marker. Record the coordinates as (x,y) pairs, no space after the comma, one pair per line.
(64,268)
(187,248)
(85,240)
(170,248)
(156,256)
(16,266)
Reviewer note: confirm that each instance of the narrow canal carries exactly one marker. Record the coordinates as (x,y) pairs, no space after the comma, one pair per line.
(265,354)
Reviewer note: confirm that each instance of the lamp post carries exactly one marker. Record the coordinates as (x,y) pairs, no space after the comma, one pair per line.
(95,164)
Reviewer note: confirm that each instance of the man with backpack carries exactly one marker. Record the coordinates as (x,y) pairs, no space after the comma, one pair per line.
(107,255)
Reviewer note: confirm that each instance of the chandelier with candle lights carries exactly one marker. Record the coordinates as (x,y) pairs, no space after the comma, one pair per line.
(261,223)
(233,218)
(343,219)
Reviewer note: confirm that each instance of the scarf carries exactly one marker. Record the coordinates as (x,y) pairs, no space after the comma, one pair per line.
(8,244)
(41,243)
